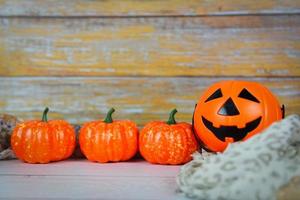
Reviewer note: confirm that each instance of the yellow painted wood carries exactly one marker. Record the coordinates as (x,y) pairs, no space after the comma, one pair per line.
(170,46)
(148,7)
(80,99)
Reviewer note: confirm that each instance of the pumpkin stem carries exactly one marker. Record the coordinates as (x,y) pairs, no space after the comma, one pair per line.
(172,117)
(108,118)
(45,118)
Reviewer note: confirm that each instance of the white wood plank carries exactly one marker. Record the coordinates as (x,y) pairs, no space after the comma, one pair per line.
(81,179)
(87,187)
(133,168)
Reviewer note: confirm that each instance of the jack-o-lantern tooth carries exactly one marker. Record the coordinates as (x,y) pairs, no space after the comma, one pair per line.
(216,124)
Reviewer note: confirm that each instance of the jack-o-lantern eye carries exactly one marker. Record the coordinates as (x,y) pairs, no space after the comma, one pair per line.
(245,94)
(215,95)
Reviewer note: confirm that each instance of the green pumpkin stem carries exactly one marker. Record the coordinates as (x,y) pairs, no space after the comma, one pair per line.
(108,118)
(45,118)
(172,117)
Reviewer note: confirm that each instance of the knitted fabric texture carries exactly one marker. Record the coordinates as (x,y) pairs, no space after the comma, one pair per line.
(253,169)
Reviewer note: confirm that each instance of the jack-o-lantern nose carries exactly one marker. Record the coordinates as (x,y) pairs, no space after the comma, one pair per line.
(229,108)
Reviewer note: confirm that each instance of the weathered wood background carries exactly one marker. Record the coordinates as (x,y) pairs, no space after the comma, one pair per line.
(142,57)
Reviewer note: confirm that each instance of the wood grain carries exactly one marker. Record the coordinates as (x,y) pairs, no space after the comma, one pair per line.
(145,8)
(76,187)
(168,46)
(141,99)
(86,180)
(133,168)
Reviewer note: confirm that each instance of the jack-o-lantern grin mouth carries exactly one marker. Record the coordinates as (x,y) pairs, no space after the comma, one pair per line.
(233,132)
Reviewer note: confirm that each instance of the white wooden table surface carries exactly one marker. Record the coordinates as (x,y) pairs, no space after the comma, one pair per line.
(81,179)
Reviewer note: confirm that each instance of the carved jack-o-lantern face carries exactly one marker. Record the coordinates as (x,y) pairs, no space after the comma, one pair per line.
(231,111)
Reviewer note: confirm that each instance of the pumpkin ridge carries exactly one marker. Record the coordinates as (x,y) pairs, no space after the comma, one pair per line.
(35,146)
(130,134)
(52,141)
(124,143)
(89,149)
(88,145)
(151,151)
(32,155)
(183,140)
(27,148)
(69,138)
(110,142)
(101,129)
(173,132)
(160,145)
(116,153)
(46,142)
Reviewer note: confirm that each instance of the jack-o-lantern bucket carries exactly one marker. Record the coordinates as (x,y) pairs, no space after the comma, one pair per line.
(231,111)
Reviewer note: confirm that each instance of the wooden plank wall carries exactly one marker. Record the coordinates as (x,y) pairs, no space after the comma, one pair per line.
(142,57)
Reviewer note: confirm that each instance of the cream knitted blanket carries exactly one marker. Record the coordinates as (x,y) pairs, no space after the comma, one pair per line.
(253,169)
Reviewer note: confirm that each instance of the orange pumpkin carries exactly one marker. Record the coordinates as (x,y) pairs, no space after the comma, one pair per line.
(231,111)
(167,142)
(108,140)
(43,141)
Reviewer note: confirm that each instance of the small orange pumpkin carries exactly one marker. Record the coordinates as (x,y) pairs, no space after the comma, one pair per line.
(108,140)
(231,111)
(167,142)
(43,141)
